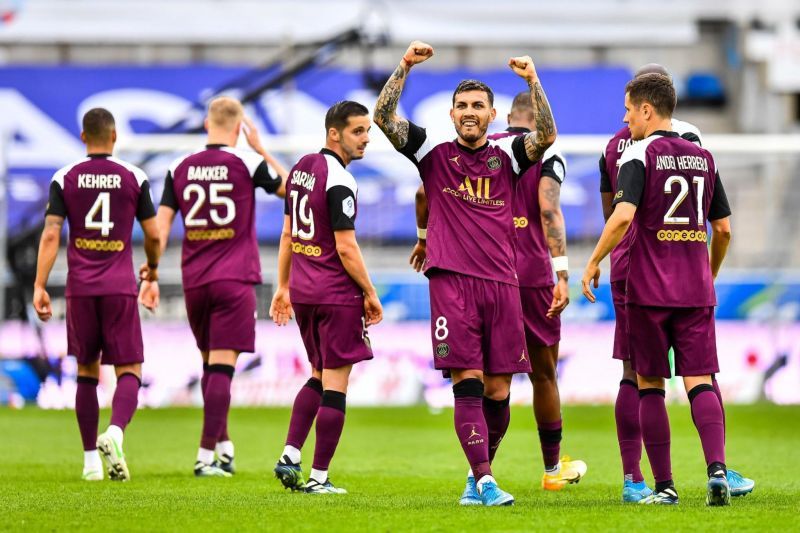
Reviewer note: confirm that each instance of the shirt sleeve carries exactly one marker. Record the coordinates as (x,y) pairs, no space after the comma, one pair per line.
(520,155)
(554,167)
(720,208)
(630,183)
(342,207)
(262,178)
(145,209)
(417,139)
(55,202)
(692,136)
(168,195)
(605,179)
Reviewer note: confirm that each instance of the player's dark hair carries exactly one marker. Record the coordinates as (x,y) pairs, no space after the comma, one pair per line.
(340,112)
(473,85)
(98,123)
(655,89)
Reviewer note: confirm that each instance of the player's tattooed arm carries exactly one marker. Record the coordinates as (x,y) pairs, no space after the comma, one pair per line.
(552,218)
(390,123)
(544,135)
(395,127)
(48,251)
(539,140)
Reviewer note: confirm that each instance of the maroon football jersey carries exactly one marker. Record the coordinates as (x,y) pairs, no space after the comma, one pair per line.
(214,190)
(470,194)
(534,268)
(609,167)
(677,188)
(100,197)
(321,198)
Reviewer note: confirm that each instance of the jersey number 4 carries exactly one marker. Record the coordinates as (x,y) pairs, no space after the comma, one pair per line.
(101,206)
(299,211)
(216,197)
(699,182)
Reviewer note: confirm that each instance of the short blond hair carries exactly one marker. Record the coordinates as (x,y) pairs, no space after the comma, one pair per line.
(225,112)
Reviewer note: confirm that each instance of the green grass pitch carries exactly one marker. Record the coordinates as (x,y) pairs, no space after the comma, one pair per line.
(404,470)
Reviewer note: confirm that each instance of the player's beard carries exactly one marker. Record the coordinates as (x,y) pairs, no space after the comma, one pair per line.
(473,137)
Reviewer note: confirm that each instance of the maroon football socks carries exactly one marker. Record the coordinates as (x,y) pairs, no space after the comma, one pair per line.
(550,441)
(629,433)
(304,411)
(126,399)
(330,422)
(471,426)
(498,415)
(217,401)
(87,410)
(654,422)
(708,418)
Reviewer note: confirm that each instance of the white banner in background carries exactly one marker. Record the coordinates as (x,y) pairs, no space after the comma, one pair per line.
(401,372)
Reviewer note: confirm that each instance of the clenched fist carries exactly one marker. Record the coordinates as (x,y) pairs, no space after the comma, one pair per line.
(417,53)
(523,67)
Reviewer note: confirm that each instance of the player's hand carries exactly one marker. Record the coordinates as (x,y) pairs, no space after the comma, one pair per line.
(523,67)
(560,298)
(280,310)
(418,52)
(150,295)
(373,311)
(148,274)
(41,303)
(418,254)
(251,135)
(591,274)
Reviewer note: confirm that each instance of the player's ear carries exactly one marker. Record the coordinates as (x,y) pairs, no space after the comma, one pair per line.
(114,135)
(334,135)
(205,124)
(83,137)
(493,115)
(452,117)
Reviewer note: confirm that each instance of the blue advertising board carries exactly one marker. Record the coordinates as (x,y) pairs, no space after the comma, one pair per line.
(41,107)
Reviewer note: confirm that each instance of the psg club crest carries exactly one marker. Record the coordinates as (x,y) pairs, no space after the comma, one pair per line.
(493,163)
(442,350)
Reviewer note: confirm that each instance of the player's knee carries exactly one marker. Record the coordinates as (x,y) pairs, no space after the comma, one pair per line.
(628,373)
(543,373)
(497,387)
(134,370)
(91,370)
(544,365)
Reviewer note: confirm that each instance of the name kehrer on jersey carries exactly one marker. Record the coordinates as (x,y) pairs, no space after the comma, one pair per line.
(99,181)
